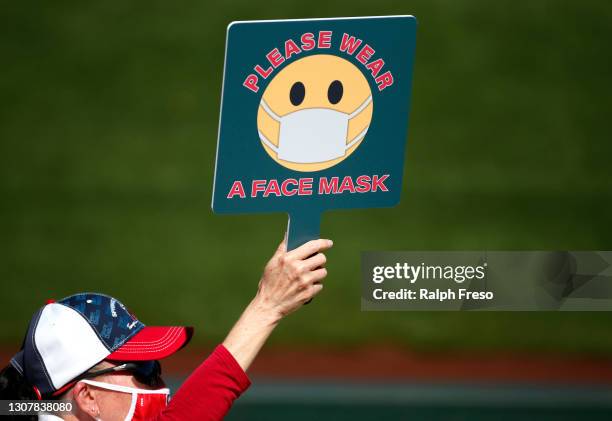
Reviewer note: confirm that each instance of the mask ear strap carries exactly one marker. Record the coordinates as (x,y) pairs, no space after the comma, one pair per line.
(269,111)
(364,131)
(265,140)
(361,107)
(125,389)
(356,139)
(275,117)
(130,413)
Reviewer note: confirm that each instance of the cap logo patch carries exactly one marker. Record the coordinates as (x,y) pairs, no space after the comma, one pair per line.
(112,307)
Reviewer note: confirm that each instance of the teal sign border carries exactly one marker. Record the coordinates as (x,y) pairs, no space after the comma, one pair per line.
(240,155)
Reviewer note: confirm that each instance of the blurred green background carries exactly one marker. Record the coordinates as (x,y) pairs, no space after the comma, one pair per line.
(108,124)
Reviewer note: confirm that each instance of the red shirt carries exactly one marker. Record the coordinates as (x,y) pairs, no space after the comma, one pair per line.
(209,392)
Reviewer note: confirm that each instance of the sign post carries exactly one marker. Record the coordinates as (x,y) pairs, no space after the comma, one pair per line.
(314,116)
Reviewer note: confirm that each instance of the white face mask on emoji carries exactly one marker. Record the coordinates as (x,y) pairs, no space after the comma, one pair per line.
(313,135)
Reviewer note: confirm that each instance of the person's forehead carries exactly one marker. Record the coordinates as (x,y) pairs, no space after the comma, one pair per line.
(102,365)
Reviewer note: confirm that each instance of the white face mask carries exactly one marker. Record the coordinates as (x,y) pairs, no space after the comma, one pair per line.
(313,135)
(145,402)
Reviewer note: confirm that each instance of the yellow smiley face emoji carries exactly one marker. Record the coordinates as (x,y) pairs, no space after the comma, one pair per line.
(315,113)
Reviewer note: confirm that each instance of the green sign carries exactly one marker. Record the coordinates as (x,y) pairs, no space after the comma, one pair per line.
(314,116)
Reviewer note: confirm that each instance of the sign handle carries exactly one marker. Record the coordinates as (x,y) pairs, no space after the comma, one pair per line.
(302,227)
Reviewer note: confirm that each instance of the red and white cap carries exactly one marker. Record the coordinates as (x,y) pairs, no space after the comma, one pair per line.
(68,337)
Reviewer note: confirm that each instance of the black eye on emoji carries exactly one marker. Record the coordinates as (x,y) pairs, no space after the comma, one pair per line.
(297,93)
(335,91)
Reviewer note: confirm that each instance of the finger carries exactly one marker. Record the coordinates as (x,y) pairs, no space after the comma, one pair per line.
(316,261)
(311,292)
(310,248)
(316,276)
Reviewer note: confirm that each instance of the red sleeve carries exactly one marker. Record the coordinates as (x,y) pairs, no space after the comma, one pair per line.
(209,392)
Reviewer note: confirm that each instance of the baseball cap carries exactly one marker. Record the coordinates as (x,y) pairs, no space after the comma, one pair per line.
(66,338)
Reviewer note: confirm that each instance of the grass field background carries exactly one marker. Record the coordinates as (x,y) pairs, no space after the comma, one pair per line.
(108,123)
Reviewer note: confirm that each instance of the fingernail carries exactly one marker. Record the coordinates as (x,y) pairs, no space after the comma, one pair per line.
(331,243)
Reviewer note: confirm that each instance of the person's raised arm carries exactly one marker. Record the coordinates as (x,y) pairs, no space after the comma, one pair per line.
(289,280)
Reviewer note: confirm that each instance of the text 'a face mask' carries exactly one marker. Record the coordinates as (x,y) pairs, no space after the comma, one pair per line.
(146,403)
(313,135)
